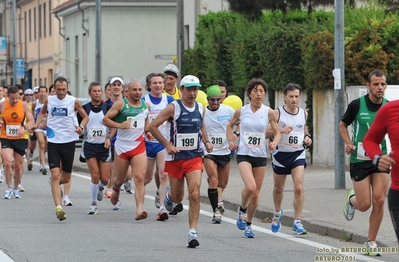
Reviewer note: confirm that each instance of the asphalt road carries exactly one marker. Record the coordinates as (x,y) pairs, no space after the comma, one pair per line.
(31,232)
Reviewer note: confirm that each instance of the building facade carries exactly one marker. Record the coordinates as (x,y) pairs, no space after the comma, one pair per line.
(36,41)
(58,38)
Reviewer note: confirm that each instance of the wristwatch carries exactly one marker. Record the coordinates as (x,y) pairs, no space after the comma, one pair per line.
(81,127)
(376,160)
(237,133)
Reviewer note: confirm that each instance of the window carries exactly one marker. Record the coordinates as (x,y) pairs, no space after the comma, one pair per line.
(44,20)
(68,58)
(49,18)
(84,56)
(40,21)
(34,23)
(76,60)
(25,28)
(30,25)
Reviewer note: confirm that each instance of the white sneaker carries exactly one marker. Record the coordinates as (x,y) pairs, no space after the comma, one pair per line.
(93,210)
(21,188)
(128,187)
(66,201)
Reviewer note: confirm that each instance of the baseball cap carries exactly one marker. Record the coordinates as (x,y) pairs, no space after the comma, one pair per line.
(28,92)
(213,90)
(36,89)
(190,81)
(171,69)
(116,79)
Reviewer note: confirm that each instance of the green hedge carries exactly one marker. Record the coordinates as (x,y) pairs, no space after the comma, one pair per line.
(293,48)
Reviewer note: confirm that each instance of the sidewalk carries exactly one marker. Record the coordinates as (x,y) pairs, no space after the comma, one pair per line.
(323,204)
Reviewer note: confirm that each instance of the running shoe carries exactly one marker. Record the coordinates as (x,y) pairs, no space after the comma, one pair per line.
(248,232)
(221,207)
(1,175)
(371,249)
(169,204)
(30,166)
(217,217)
(298,229)
(108,193)
(21,188)
(241,219)
(44,171)
(66,201)
(60,213)
(49,180)
(192,239)
(128,186)
(276,221)
(157,199)
(162,215)
(100,194)
(117,206)
(177,209)
(93,210)
(349,210)
(16,193)
(8,193)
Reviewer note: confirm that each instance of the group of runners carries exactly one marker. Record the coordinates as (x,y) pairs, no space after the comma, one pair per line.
(169,136)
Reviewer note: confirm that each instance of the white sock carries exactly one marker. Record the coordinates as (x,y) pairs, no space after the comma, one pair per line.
(297,221)
(93,192)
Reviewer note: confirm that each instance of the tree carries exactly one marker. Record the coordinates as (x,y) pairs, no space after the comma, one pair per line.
(253,9)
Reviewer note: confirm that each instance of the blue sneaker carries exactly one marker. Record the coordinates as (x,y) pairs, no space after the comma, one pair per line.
(241,219)
(169,205)
(248,232)
(298,229)
(276,221)
(8,193)
(192,239)
(117,206)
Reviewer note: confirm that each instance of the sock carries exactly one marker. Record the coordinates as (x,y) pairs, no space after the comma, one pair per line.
(213,198)
(243,210)
(297,221)
(249,223)
(58,206)
(93,192)
(277,213)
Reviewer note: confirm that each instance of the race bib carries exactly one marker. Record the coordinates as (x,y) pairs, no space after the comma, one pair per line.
(293,139)
(254,140)
(187,141)
(12,130)
(218,140)
(97,132)
(361,153)
(136,123)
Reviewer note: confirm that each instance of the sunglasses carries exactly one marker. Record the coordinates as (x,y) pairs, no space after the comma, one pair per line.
(214,99)
(29,94)
(21,94)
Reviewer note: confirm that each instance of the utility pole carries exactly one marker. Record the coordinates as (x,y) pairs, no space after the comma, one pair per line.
(180,34)
(14,42)
(339,92)
(98,40)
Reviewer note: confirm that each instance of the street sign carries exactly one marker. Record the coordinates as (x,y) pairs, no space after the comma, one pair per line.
(20,67)
(3,48)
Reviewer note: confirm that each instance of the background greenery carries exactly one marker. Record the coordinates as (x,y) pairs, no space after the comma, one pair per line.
(293,47)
